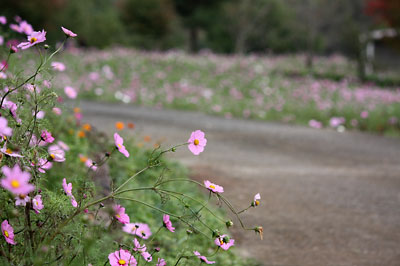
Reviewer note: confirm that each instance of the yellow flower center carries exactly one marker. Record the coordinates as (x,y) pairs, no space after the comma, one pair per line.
(257,202)
(119,145)
(196,142)
(121,262)
(22,196)
(14,183)
(52,156)
(37,203)
(9,151)
(118,216)
(6,233)
(221,241)
(33,39)
(212,186)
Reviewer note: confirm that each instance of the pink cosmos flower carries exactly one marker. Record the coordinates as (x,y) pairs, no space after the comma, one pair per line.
(43,165)
(56,153)
(161,262)
(25,27)
(58,66)
(70,92)
(139,229)
(167,223)
(47,84)
(203,258)
(122,257)
(364,114)
(138,247)
(16,181)
(40,114)
(37,203)
(4,129)
(10,152)
(256,200)
(63,145)
(73,201)
(336,121)
(119,143)
(224,242)
(3,20)
(21,200)
(120,214)
(46,136)
(68,32)
(8,232)
(67,187)
(35,38)
(147,256)
(12,107)
(197,142)
(57,111)
(315,124)
(213,187)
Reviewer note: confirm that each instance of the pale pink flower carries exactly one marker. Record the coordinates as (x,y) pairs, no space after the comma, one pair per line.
(122,258)
(56,153)
(336,121)
(147,256)
(10,152)
(213,187)
(3,20)
(37,203)
(40,114)
(63,145)
(315,124)
(364,114)
(167,223)
(8,232)
(73,201)
(197,142)
(47,83)
(161,262)
(21,200)
(42,165)
(15,27)
(256,200)
(70,92)
(119,143)
(4,129)
(16,181)
(58,66)
(138,247)
(203,258)
(224,242)
(139,229)
(67,187)
(57,111)
(25,27)
(46,136)
(120,214)
(68,33)
(35,38)
(1,43)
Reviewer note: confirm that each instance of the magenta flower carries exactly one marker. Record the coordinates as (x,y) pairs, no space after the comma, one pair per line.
(67,187)
(37,203)
(139,229)
(122,257)
(4,129)
(138,247)
(224,242)
(58,66)
(167,223)
(161,262)
(35,38)
(56,153)
(21,200)
(119,143)
(8,232)
(70,92)
(16,181)
(197,142)
(68,33)
(3,20)
(203,258)
(73,201)
(256,200)
(120,214)
(46,136)
(213,187)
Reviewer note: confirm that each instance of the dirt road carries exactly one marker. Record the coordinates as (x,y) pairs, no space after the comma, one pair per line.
(328,198)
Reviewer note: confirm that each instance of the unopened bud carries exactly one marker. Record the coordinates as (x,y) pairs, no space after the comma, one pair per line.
(101,205)
(157,249)
(108,154)
(215,233)
(189,232)
(46,46)
(229,223)
(173,149)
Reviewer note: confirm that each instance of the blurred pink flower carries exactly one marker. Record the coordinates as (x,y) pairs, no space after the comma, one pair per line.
(37,203)
(57,111)
(68,33)
(122,258)
(58,66)
(167,223)
(67,187)
(224,242)
(336,121)
(197,142)
(4,129)
(120,214)
(56,153)
(161,262)
(21,200)
(147,256)
(46,136)
(139,229)
(8,232)
(203,258)
(73,201)
(138,247)
(9,152)
(35,38)
(315,124)
(70,92)
(3,20)
(364,114)
(16,181)
(119,143)
(213,187)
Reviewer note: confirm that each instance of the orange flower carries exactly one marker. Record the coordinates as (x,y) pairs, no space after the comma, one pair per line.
(87,127)
(83,158)
(119,125)
(81,134)
(131,125)
(147,138)
(77,110)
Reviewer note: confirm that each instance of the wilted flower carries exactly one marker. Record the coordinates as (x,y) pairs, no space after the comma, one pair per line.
(213,187)
(197,142)
(8,232)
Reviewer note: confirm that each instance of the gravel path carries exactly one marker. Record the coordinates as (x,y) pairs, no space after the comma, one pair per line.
(328,198)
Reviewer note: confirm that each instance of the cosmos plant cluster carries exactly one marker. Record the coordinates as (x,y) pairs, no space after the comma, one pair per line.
(29,156)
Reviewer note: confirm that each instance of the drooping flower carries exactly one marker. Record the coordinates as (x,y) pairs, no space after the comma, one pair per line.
(35,38)
(21,200)
(203,258)
(119,143)
(8,232)
(67,187)
(58,66)
(56,153)
(16,181)
(46,136)
(256,200)
(68,33)
(120,214)
(37,203)
(139,229)
(197,142)
(138,247)
(224,242)
(167,223)
(70,92)
(122,258)
(161,262)
(213,187)
(4,129)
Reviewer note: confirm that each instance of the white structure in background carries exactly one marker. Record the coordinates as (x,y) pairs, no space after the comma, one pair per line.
(369,41)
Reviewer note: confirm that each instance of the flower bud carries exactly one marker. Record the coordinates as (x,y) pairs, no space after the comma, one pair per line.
(101,205)
(173,149)
(157,249)
(216,233)
(259,230)
(189,232)
(229,223)
(46,46)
